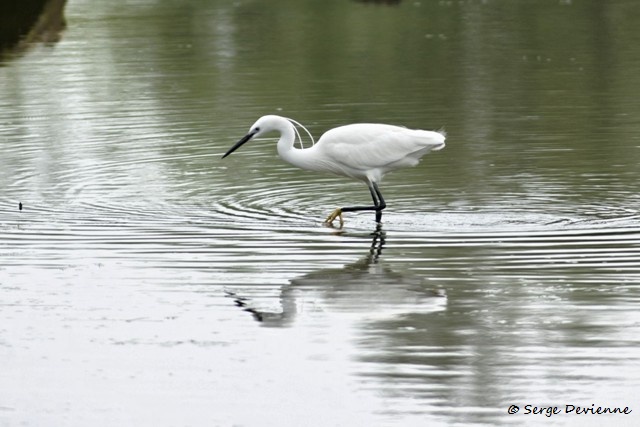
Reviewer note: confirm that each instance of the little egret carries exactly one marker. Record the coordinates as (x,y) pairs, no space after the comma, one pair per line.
(362,151)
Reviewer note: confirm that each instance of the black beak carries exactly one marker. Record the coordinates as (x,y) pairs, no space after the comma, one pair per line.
(239,143)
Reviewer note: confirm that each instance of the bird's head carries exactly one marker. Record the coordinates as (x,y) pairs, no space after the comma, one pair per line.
(264,125)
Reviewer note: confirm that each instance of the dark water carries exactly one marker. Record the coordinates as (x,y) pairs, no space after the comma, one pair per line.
(148,282)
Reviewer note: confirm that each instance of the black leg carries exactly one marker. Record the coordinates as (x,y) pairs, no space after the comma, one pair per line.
(378,203)
(381,203)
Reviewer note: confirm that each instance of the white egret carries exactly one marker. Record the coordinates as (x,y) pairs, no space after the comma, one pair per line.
(363,151)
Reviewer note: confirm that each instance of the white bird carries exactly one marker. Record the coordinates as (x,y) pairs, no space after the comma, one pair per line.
(363,151)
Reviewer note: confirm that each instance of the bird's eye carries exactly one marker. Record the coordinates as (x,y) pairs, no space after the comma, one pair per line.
(256,129)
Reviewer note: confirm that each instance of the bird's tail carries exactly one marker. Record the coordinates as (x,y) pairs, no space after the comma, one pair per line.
(441,144)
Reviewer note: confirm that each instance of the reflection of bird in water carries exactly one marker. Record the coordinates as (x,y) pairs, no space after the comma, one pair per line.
(363,151)
(366,288)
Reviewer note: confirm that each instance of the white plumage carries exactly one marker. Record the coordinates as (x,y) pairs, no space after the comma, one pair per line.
(364,151)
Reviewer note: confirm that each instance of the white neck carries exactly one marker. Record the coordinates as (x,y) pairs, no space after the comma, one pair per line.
(299,157)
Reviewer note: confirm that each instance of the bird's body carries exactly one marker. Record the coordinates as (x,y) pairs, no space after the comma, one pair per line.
(364,151)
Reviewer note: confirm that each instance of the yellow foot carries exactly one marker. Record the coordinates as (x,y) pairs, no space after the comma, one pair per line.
(335,214)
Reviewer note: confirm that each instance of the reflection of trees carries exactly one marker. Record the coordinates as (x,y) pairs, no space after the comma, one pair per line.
(380,1)
(366,287)
(27,21)
(502,76)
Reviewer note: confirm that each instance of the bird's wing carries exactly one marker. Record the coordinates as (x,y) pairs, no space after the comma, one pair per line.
(369,146)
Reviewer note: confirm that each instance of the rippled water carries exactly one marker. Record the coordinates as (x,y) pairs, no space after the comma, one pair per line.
(148,282)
